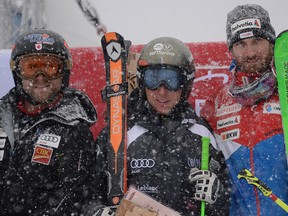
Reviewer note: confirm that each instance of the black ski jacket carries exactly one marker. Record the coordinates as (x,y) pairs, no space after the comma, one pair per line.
(161,153)
(46,160)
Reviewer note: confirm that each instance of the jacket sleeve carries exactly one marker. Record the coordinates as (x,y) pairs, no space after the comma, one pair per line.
(218,166)
(99,202)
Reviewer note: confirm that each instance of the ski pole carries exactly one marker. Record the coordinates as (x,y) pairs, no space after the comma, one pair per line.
(244,173)
(204,164)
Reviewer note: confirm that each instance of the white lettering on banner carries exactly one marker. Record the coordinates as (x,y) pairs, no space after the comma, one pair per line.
(272,108)
(230,135)
(244,24)
(209,76)
(228,109)
(228,122)
(199,103)
(51,140)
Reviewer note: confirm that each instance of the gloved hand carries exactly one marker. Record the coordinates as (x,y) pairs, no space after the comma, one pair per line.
(207,185)
(107,211)
(100,210)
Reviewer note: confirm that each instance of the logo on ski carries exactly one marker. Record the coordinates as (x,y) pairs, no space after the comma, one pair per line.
(114,50)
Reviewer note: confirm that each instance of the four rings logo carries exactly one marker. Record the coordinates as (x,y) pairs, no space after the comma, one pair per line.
(142,163)
(50,138)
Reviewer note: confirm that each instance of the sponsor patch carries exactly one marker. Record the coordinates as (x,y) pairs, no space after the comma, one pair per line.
(38,46)
(194,162)
(272,108)
(162,49)
(228,122)
(50,140)
(246,35)
(228,109)
(42,155)
(244,24)
(230,135)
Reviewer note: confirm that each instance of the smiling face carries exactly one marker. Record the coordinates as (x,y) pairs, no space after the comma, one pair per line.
(41,77)
(42,89)
(163,100)
(253,55)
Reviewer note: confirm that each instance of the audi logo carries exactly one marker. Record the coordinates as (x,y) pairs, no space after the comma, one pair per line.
(142,163)
(49,138)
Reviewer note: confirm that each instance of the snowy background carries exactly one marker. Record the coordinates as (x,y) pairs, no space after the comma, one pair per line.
(142,21)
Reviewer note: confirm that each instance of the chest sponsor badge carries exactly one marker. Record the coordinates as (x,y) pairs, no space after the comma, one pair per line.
(230,135)
(50,140)
(272,108)
(225,110)
(42,155)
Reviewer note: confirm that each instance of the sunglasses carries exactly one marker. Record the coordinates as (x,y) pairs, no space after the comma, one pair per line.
(50,66)
(169,77)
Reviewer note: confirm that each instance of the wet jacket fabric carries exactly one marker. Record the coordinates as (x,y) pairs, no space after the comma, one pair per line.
(161,153)
(46,160)
(250,137)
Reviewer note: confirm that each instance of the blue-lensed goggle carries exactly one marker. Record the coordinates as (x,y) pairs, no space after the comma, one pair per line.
(169,77)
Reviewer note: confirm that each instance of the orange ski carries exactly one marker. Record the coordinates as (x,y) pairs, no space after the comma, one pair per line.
(115,94)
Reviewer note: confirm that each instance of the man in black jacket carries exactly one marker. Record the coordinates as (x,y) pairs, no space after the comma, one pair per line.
(164,136)
(46,146)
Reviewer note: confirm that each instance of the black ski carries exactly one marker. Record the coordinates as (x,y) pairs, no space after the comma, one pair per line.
(115,94)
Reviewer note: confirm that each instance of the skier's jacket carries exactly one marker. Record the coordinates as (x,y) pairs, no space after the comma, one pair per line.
(46,160)
(162,151)
(250,137)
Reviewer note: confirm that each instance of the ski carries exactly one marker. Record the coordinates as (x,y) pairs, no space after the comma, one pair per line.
(281,65)
(115,94)
(251,179)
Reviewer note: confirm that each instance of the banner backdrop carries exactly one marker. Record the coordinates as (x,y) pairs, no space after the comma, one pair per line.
(212,61)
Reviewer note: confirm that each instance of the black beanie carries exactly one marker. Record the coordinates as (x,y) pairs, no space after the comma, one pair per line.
(249,20)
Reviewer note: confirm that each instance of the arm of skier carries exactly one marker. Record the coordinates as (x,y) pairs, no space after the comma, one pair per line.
(98,206)
(212,185)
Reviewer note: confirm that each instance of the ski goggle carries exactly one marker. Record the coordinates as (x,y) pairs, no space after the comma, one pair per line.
(48,65)
(169,77)
(255,91)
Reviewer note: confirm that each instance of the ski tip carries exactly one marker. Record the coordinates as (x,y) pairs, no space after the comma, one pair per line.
(282,34)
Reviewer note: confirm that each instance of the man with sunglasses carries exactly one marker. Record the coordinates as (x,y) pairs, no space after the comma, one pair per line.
(46,146)
(164,136)
(245,114)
